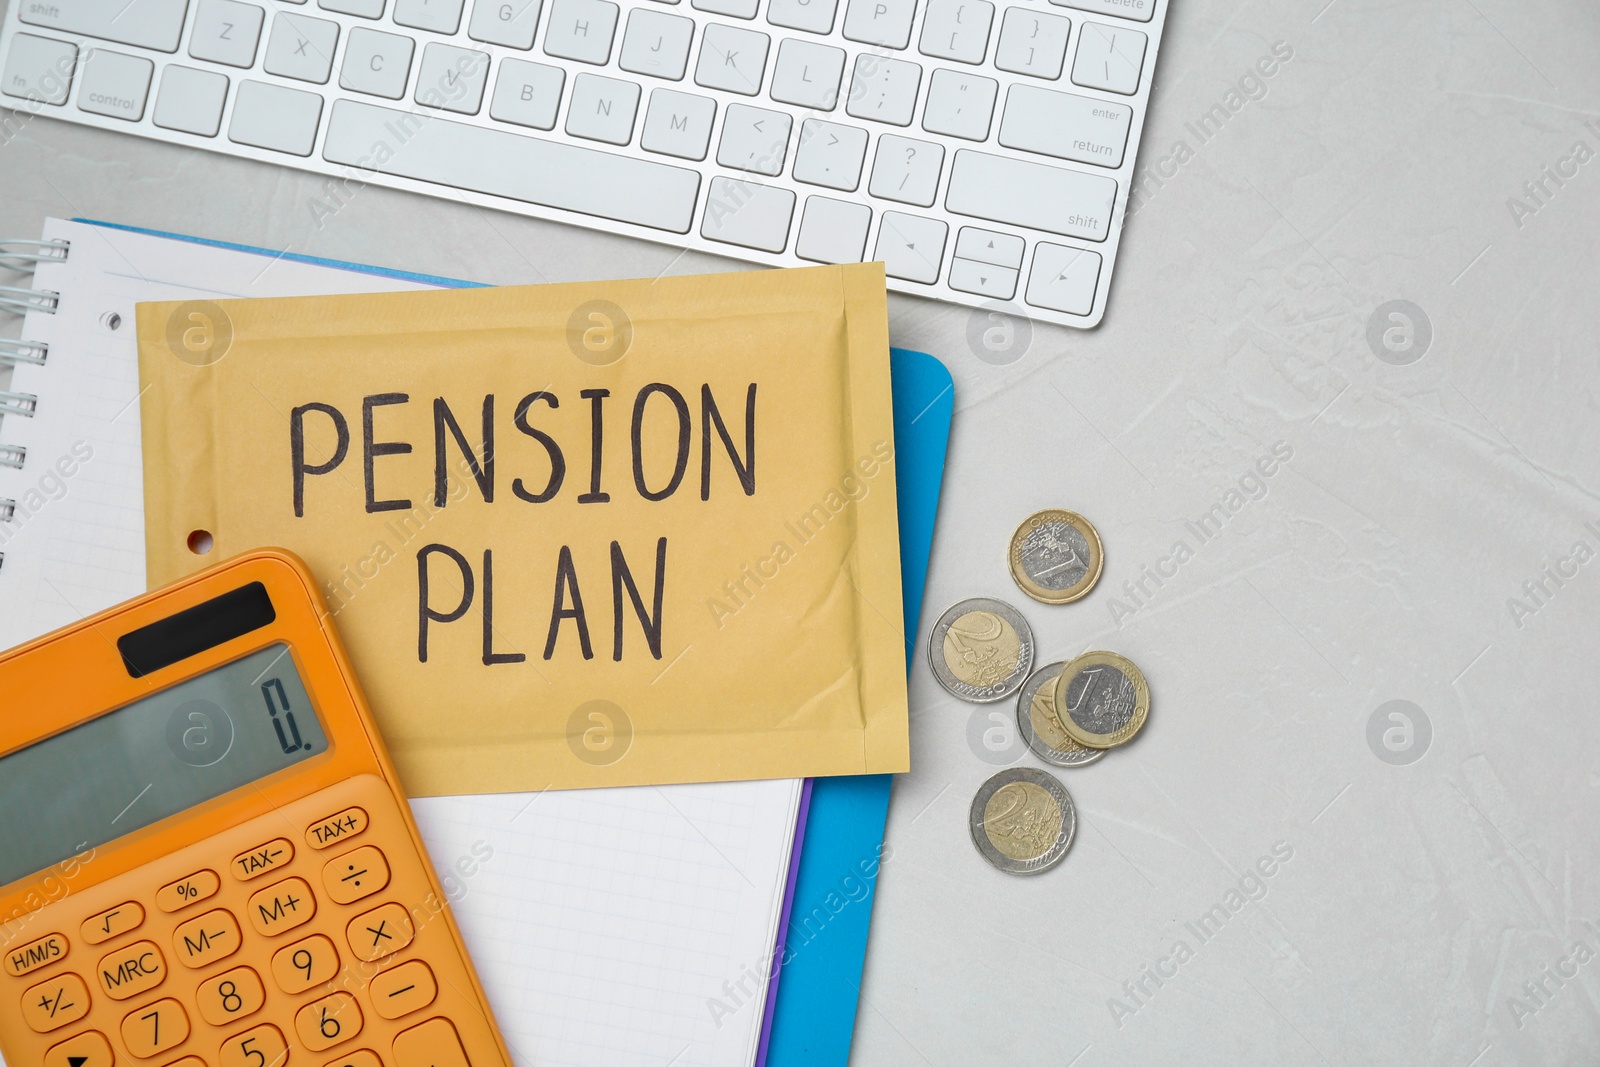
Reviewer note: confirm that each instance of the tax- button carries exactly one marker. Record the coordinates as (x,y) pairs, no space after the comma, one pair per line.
(35,954)
(347,823)
(355,875)
(379,932)
(130,971)
(253,863)
(203,941)
(175,896)
(86,1050)
(407,988)
(433,1044)
(281,907)
(112,922)
(51,1005)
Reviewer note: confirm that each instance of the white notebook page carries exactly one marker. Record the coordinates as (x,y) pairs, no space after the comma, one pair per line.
(610,927)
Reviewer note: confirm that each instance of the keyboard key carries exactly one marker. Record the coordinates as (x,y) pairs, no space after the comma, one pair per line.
(527,94)
(154,1028)
(739,9)
(440,16)
(1035,195)
(813,16)
(58,1002)
(523,168)
(452,78)
(1063,278)
(832,231)
(884,89)
(270,116)
(349,822)
(1065,125)
(227,32)
(507,22)
(154,24)
(956,29)
(882,22)
(306,963)
(366,9)
(1138,10)
(983,279)
(1109,58)
(203,941)
(42,952)
(906,170)
(115,85)
(754,139)
(357,874)
(175,896)
(85,1050)
(433,1044)
(301,47)
(130,971)
(656,43)
(113,922)
(190,100)
(230,996)
(324,1023)
(38,68)
(603,109)
(581,30)
(377,63)
(678,124)
(254,862)
(382,931)
(911,246)
(1032,43)
(731,59)
(807,74)
(281,906)
(742,213)
(262,1046)
(959,104)
(989,246)
(830,154)
(404,989)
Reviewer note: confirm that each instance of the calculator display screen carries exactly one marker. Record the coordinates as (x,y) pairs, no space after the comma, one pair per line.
(152,759)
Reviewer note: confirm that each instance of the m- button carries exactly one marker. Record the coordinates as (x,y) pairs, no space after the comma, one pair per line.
(255,862)
(282,906)
(207,939)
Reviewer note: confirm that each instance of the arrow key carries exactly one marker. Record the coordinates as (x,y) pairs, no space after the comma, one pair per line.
(983,279)
(89,1049)
(911,246)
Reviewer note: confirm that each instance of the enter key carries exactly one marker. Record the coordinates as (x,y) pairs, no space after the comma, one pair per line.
(1065,125)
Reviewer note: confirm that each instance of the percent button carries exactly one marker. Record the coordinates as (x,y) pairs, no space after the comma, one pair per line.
(175,896)
(355,875)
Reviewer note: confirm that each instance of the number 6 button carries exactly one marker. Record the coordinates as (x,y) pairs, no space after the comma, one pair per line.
(324,1023)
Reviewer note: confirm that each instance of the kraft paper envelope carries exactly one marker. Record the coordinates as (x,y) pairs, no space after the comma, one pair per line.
(573,535)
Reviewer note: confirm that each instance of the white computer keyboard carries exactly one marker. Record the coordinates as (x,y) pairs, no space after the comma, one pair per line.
(982,150)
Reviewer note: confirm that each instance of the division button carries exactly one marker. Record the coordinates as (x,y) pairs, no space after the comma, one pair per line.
(355,875)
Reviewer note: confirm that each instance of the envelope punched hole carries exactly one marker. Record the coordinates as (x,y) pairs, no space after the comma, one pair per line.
(200,542)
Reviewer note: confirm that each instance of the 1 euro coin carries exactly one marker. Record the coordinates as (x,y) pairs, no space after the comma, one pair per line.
(1039,726)
(1102,700)
(1056,556)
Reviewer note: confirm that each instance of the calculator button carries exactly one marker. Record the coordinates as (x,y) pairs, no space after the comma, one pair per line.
(298,967)
(86,1050)
(253,863)
(348,823)
(261,1047)
(35,954)
(409,987)
(51,1005)
(175,896)
(188,1061)
(360,1058)
(282,906)
(230,995)
(382,930)
(355,875)
(155,1028)
(112,923)
(324,1023)
(433,1044)
(130,971)
(203,941)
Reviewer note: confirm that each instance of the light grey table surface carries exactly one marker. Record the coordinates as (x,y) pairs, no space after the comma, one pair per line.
(1382,561)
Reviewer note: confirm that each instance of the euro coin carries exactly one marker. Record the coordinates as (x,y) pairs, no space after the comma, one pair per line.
(1039,727)
(1022,821)
(981,650)
(1102,700)
(1056,556)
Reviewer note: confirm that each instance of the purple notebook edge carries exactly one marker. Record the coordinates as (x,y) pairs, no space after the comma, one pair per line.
(773,967)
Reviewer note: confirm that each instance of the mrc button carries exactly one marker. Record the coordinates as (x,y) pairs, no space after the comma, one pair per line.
(35,954)
(130,971)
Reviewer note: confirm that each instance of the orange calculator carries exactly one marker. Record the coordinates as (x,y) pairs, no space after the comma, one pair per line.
(205,856)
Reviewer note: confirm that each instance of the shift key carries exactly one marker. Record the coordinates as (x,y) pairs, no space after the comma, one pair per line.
(155,24)
(1036,195)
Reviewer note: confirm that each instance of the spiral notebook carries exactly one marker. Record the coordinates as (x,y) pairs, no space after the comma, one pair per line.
(612,927)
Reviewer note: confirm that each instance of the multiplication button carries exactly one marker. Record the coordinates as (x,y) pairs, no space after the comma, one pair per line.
(355,875)
(381,931)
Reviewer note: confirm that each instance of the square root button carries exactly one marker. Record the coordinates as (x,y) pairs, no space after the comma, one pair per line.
(1063,278)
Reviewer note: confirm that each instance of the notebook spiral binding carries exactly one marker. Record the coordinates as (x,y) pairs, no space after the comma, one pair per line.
(23,256)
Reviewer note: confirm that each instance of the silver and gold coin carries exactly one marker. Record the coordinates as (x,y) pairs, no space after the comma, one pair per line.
(1056,556)
(1039,726)
(1102,700)
(1022,821)
(981,650)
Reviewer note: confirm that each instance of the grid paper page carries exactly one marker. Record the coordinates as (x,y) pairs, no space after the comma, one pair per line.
(610,927)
